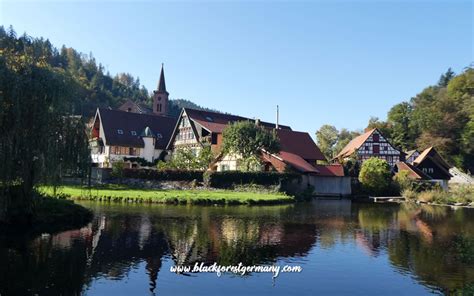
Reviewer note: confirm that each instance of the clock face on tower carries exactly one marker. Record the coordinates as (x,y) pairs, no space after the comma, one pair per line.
(159,98)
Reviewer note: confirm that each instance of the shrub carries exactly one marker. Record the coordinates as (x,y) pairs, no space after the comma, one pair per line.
(141,161)
(427,196)
(229,179)
(186,158)
(409,194)
(403,180)
(117,169)
(375,176)
(165,175)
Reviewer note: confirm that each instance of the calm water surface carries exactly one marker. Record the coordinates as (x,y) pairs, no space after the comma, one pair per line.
(344,248)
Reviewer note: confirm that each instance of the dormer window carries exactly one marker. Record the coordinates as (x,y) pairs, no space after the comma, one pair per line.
(209,118)
(134,133)
(120,132)
(159,136)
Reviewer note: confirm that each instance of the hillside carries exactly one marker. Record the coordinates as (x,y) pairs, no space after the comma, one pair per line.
(88,83)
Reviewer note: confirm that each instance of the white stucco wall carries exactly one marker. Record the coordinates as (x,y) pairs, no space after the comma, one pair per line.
(228,163)
(148,152)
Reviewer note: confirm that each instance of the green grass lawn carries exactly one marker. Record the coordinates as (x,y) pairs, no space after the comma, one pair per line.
(123,194)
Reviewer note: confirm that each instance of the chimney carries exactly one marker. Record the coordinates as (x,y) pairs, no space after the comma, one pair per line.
(278,118)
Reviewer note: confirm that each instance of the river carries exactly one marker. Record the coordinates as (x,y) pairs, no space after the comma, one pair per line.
(342,247)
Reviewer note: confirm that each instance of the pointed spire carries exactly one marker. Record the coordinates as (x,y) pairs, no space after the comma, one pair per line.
(161,83)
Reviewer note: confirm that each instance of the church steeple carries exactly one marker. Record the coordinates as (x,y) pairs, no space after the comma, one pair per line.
(160,96)
(161,83)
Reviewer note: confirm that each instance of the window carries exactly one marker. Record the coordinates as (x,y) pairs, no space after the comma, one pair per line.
(133,151)
(376,138)
(376,149)
(134,133)
(385,148)
(120,132)
(158,108)
(209,118)
(159,135)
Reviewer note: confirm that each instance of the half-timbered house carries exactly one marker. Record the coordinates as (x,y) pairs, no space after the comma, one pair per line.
(196,129)
(371,144)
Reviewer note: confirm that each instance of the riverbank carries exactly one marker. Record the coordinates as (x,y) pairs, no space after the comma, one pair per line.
(193,196)
(457,196)
(51,215)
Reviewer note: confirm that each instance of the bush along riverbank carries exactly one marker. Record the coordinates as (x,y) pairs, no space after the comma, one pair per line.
(49,215)
(117,193)
(460,195)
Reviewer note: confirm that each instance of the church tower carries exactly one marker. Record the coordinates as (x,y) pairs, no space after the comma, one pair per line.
(160,96)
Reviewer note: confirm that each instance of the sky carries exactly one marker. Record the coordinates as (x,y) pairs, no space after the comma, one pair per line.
(323,62)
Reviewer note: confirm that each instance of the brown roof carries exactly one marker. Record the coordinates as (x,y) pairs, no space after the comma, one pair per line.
(299,143)
(431,152)
(436,157)
(332,170)
(114,120)
(297,162)
(298,150)
(355,144)
(216,122)
(414,172)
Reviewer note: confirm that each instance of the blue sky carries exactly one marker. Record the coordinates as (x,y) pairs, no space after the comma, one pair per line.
(334,62)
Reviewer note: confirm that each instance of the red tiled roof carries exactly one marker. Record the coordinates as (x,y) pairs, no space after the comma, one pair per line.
(332,170)
(355,144)
(114,120)
(414,172)
(216,122)
(299,143)
(297,162)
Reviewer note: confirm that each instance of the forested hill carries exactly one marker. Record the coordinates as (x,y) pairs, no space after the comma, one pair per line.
(90,86)
(441,115)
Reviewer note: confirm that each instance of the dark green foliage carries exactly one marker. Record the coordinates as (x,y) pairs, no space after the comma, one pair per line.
(375,176)
(327,137)
(88,83)
(141,161)
(441,116)
(117,169)
(186,158)
(51,215)
(163,175)
(228,179)
(58,214)
(331,141)
(40,141)
(351,167)
(247,139)
(445,78)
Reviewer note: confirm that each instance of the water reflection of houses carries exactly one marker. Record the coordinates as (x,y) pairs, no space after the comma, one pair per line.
(420,241)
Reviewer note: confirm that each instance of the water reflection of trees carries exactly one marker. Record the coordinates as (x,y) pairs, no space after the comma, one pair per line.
(434,243)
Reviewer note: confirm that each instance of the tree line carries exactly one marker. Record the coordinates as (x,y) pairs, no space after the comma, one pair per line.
(441,115)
